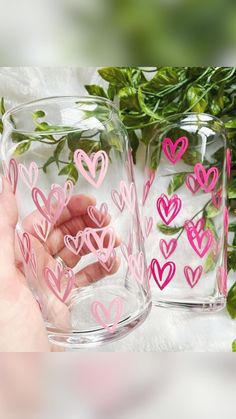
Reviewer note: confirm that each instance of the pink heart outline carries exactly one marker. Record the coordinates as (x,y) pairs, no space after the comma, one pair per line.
(108,265)
(55,192)
(228,162)
(53,281)
(137,266)
(193,276)
(91,163)
(189,180)
(42,229)
(147,186)
(193,236)
(148,225)
(67,189)
(127,249)
(25,245)
(118,200)
(98,237)
(222,280)
(168,208)
(29,175)
(12,173)
(33,263)
(158,279)
(167,248)
(98,216)
(169,148)
(129,195)
(97,306)
(198,226)
(216,198)
(74,243)
(203,175)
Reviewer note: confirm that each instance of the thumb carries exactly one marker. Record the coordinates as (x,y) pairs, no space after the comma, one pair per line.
(8,220)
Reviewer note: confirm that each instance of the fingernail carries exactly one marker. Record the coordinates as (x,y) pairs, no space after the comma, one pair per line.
(1,184)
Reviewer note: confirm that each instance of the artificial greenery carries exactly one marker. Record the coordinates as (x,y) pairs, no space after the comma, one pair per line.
(147,97)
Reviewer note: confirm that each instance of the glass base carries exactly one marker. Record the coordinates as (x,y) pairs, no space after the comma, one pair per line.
(85,332)
(201,306)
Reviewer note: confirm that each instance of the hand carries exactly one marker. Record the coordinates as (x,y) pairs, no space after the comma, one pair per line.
(21,322)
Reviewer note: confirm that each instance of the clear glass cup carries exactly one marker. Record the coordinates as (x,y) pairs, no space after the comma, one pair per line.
(78,233)
(185,215)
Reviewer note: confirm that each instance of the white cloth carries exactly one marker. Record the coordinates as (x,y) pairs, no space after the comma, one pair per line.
(164,330)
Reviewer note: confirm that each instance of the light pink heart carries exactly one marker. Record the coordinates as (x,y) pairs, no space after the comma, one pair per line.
(167,248)
(49,210)
(108,317)
(162,274)
(108,265)
(148,184)
(174,151)
(168,208)
(42,229)
(74,243)
(97,165)
(193,275)
(29,175)
(206,178)
(101,242)
(137,266)
(67,189)
(127,248)
(54,281)
(200,242)
(25,245)
(192,183)
(118,199)
(148,225)
(129,195)
(33,263)
(98,216)
(11,173)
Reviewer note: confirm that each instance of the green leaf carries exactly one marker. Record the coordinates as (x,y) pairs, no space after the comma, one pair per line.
(191,157)
(165,76)
(59,149)
(145,107)
(232,260)
(73,140)
(195,99)
(176,182)
(231,123)
(232,189)
(71,172)
(114,75)
(231,301)
(48,162)
(209,264)
(232,227)
(17,137)
(129,98)
(234,346)
(169,231)
(95,90)
(116,143)
(134,143)
(22,148)
(1,126)
(211,211)
(209,224)
(2,106)
(155,157)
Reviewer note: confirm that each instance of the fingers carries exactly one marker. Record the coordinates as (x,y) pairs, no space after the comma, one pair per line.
(8,220)
(94,272)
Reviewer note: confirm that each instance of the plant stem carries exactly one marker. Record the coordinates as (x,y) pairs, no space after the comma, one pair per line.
(195,215)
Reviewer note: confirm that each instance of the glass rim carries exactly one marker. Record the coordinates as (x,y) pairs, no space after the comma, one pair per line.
(6,119)
(180,115)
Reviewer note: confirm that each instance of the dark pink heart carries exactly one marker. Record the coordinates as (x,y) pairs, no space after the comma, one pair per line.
(162,275)
(167,248)
(192,275)
(168,208)
(192,183)
(174,151)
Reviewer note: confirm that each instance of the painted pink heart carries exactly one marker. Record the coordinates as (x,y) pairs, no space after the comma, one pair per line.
(137,266)
(148,184)
(168,208)
(222,280)
(148,225)
(95,168)
(29,175)
(127,248)
(67,189)
(60,282)
(42,229)
(206,178)
(226,220)
(74,243)
(33,263)
(108,265)
(98,216)
(192,183)
(118,199)
(51,211)
(216,197)
(228,162)
(200,243)
(198,226)
(174,151)
(162,275)
(167,248)
(100,242)
(25,245)
(192,275)
(129,195)
(108,317)
(11,173)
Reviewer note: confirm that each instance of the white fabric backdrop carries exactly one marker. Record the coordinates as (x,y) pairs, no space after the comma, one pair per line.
(164,330)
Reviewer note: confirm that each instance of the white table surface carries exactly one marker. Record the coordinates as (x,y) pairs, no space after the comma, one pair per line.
(164,330)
